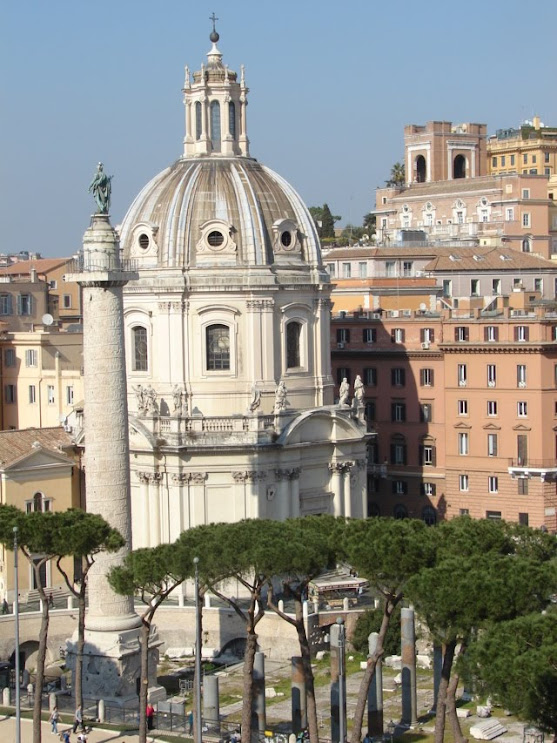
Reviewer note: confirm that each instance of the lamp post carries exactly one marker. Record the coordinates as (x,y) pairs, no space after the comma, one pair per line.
(391,727)
(197,730)
(16,636)
(341,681)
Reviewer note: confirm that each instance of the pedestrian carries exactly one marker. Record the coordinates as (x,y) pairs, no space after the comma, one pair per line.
(82,738)
(190,723)
(5,607)
(65,736)
(149,714)
(78,719)
(50,601)
(54,717)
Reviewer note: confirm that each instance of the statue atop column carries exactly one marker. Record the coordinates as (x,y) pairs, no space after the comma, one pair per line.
(101,188)
(344,392)
(280,397)
(359,391)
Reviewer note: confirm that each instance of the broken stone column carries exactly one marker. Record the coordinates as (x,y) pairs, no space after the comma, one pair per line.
(408,668)
(299,700)
(375,694)
(437,668)
(338,682)
(211,711)
(258,719)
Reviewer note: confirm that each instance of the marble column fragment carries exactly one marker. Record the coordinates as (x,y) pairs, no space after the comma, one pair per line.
(408,651)
(259,721)
(299,700)
(375,694)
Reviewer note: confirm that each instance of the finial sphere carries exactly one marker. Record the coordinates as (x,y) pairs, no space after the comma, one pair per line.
(214,37)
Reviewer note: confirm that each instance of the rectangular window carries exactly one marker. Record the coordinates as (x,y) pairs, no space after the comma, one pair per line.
(370,377)
(428,455)
(521,375)
(462,375)
(463,443)
(6,304)
(534,159)
(346,270)
(50,394)
(526,219)
(32,394)
(493,484)
(447,288)
(509,214)
(390,269)
(398,453)
(523,519)
(463,407)
(502,161)
(67,301)
(370,410)
(521,333)
(491,375)
(398,377)
(362,270)
(370,335)
(397,335)
(522,484)
(426,412)
(522,409)
(343,373)
(426,377)
(475,287)
(538,285)
(495,515)
(525,162)
(427,335)
(491,333)
(331,270)
(9,357)
(463,483)
(461,333)
(343,335)
(398,412)
(493,162)
(10,394)
(24,304)
(31,357)
(492,407)
(546,157)
(496,286)
(69,395)
(400,487)
(491,444)
(428,488)
(512,159)
(407,268)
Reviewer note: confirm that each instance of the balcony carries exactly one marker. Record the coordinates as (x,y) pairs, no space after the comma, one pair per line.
(545,469)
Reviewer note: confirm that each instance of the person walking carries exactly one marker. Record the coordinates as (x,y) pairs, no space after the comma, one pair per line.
(149,714)
(78,719)
(54,717)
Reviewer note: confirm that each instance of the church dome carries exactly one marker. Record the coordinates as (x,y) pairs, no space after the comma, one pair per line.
(222,211)
(216,205)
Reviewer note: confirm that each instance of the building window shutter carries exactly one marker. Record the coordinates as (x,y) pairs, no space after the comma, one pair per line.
(434,456)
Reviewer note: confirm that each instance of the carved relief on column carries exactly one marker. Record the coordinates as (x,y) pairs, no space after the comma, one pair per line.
(261,305)
(176,306)
(248,476)
(181,478)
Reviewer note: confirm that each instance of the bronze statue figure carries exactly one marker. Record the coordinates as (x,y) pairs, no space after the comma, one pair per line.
(101,189)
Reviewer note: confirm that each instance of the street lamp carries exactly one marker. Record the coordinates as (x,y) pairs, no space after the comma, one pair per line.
(391,727)
(341,680)
(198,730)
(16,635)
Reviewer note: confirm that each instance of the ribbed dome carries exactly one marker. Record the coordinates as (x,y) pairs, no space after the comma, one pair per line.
(219,211)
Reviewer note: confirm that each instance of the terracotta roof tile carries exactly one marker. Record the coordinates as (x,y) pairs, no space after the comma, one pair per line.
(16,444)
(41,265)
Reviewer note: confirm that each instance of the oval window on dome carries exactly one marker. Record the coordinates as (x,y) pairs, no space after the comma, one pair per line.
(143,241)
(215,239)
(286,239)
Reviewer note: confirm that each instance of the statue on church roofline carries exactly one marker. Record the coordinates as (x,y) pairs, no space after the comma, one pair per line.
(101,188)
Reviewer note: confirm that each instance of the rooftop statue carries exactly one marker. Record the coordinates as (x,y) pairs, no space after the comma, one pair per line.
(101,189)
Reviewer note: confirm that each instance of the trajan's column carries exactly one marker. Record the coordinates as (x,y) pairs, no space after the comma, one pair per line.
(111,665)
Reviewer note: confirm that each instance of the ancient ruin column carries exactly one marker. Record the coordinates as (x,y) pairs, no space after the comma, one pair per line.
(375,694)
(437,668)
(408,667)
(259,721)
(211,711)
(299,700)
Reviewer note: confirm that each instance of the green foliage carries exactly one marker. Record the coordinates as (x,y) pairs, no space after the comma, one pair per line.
(516,662)
(398,176)
(328,222)
(147,571)
(370,621)
(352,233)
(370,222)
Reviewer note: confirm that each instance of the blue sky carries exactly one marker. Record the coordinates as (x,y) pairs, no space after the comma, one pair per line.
(332,85)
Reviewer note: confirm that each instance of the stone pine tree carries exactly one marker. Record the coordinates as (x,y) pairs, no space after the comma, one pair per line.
(387,552)
(312,548)
(82,536)
(37,535)
(152,574)
(464,594)
(516,663)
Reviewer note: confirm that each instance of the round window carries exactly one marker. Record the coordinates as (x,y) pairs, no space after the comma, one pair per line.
(215,239)
(286,239)
(143,241)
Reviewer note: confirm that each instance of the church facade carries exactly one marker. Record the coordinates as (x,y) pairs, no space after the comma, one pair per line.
(227,337)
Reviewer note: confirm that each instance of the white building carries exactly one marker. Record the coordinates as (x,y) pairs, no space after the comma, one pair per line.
(232,299)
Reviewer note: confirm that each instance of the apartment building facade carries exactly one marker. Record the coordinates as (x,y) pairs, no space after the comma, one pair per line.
(529,149)
(464,404)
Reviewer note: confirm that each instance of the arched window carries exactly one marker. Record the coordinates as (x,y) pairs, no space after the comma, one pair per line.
(198,124)
(400,511)
(526,245)
(429,515)
(38,504)
(293,336)
(140,359)
(232,119)
(215,125)
(459,167)
(420,169)
(218,347)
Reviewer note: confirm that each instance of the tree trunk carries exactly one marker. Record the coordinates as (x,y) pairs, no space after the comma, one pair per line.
(144,686)
(370,671)
(451,710)
(448,656)
(249,658)
(311,705)
(41,658)
(78,680)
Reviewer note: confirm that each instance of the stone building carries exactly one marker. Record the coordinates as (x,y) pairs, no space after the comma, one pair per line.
(531,148)
(227,337)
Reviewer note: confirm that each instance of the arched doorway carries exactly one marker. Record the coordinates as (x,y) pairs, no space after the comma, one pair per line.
(459,167)
(420,169)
